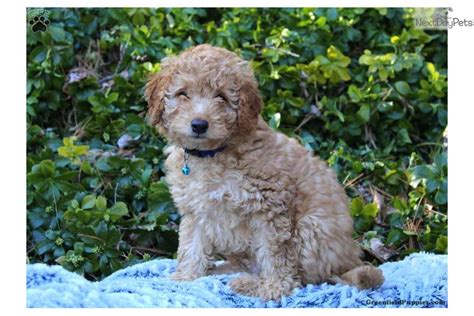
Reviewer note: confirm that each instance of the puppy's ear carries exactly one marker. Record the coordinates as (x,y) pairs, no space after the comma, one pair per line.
(155,91)
(249,107)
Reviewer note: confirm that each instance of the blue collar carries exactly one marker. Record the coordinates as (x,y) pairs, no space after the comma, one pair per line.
(204,153)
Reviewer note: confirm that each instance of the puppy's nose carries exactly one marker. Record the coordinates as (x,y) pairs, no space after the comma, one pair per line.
(199,126)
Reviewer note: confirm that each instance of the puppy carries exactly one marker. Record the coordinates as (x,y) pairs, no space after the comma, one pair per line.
(244,191)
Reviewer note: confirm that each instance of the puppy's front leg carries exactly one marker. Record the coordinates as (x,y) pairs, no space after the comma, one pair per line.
(275,254)
(193,251)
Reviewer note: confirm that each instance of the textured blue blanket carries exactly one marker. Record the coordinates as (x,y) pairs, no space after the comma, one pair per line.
(420,280)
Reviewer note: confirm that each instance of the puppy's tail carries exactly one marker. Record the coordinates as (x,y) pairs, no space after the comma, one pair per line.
(363,277)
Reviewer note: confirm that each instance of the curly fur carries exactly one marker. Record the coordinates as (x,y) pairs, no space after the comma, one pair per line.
(265,203)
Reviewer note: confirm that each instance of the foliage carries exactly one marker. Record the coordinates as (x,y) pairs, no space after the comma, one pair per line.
(362,88)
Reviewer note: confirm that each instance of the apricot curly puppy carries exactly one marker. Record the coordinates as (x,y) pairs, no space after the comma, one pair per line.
(248,193)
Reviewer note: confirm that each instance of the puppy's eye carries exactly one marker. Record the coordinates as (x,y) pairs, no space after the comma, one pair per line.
(183,94)
(220,96)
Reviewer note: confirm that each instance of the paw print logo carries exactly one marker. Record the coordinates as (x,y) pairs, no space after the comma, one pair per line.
(39,23)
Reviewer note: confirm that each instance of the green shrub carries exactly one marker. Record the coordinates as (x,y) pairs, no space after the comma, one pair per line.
(362,88)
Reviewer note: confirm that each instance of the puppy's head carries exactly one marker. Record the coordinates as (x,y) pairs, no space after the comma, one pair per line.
(203,98)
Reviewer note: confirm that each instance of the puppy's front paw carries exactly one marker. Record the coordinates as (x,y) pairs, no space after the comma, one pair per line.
(181,276)
(272,291)
(253,286)
(246,284)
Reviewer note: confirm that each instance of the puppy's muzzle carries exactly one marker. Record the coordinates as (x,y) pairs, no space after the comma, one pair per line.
(199,126)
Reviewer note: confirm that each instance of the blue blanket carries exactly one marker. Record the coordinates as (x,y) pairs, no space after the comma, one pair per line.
(420,280)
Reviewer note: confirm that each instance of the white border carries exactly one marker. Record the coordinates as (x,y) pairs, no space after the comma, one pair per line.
(13,184)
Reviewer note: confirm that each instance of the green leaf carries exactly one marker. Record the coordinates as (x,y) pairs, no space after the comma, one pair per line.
(395,237)
(275,121)
(57,33)
(138,19)
(423,172)
(83,216)
(403,136)
(95,101)
(86,167)
(118,210)
(403,87)
(113,237)
(79,247)
(441,160)
(431,185)
(370,210)
(332,14)
(89,267)
(101,231)
(103,164)
(441,197)
(58,252)
(335,54)
(45,246)
(64,152)
(112,97)
(354,93)
(443,117)
(356,206)
(88,202)
(159,197)
(170,20)
(69,150)
(74,204)
(101,203)
(51,235)
(47,168)
(115,264)
(321,21)
(35,220)
(442,243)
(61,260)
(81,150)
(38,55)
(364,113)
(434,75)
